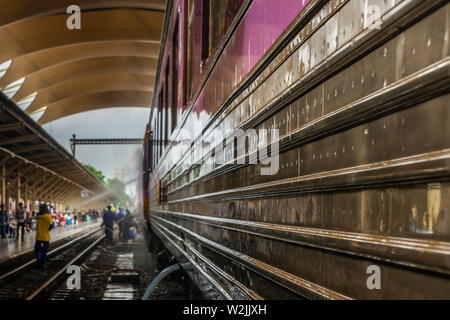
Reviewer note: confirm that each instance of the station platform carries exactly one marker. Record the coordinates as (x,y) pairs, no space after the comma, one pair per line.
(11,248)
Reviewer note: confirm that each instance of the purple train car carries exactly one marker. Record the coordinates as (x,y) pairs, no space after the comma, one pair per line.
(300,149)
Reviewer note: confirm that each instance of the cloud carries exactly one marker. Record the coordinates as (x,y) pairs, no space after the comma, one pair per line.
(104,123)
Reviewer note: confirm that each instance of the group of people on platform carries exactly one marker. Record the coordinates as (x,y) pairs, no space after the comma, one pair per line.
(46,219)
(20,221)
(74,218)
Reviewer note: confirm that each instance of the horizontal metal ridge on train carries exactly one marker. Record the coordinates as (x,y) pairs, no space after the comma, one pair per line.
(290,281)
(414,252)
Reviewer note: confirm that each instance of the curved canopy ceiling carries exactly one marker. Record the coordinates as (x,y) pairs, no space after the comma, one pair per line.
(110,62)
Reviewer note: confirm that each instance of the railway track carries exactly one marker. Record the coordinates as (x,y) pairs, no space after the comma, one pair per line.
(27,282)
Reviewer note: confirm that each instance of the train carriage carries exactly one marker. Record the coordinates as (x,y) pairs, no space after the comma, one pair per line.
(301,149)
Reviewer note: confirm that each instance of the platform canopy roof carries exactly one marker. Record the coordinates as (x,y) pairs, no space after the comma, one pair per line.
(29,152)
(51,71)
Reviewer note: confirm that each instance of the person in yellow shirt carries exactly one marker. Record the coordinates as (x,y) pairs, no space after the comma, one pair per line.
(44,223)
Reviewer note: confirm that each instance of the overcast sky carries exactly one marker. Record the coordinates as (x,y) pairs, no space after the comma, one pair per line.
(105,123)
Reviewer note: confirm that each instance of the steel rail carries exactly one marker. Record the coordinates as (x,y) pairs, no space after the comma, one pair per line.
(51,253)
(63,269)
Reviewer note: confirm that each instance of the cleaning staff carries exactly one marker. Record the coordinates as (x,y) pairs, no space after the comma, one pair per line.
(44,225)
(109,218)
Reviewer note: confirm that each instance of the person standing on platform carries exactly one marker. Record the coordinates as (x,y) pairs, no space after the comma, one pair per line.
(21,216)
(128,225)
(120,217)
(29,222)
(44,225)
(3,220)
(66,219)
(56,218)
(108,221)
(11,225)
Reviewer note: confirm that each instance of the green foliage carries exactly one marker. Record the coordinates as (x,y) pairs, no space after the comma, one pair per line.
(96,172)
(117,186)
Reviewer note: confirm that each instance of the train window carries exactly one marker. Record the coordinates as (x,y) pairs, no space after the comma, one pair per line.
(167,104)
(155,137)
(160,122)
(158,192)
(161,192)
(206,29)
(150,150)
(207,23)
(190,46)
(162,128)
(175,85)
(164,194)
(217,23)
(198,48)
(233,7)
(153,142)
(221,15)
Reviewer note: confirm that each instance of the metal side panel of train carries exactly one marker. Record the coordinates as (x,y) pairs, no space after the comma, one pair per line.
(305,151)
